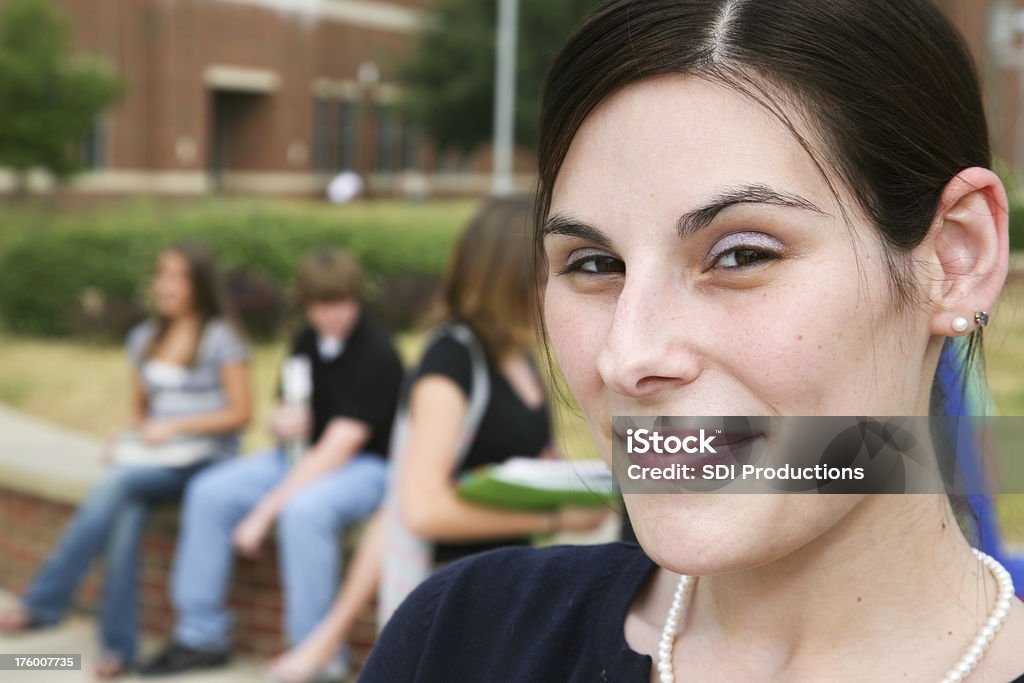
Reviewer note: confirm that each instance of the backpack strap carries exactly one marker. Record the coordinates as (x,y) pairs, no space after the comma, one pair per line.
(408,559)
(480,388)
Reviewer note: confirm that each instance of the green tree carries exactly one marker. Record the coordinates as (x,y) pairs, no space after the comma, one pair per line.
(49,100)
(449,77)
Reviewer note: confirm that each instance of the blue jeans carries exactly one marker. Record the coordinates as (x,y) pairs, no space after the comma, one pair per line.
(112,520)
(309,549)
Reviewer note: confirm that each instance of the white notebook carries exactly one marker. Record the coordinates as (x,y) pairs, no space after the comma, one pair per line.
(569,475)
(180,451)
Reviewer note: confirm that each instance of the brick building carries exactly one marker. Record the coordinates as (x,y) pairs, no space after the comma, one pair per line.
(994,30)
(276,96)
(257,96)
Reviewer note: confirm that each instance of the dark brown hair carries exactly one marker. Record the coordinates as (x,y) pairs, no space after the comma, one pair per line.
(490,283)
(328,275)
(208,297)
(888,87)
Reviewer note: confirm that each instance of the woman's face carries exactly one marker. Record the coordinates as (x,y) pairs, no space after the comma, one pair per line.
(699,265)
(172,285)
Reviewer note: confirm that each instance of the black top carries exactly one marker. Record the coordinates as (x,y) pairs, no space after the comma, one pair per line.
(520,614)
(362,382)
(509,427)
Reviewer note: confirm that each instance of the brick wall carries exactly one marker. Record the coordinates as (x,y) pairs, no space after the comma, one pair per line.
(33,525)
(162,49)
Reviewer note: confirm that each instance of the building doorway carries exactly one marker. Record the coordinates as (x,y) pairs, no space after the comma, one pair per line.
(240,125)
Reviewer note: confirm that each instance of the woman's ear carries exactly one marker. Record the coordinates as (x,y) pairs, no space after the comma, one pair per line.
(969,248)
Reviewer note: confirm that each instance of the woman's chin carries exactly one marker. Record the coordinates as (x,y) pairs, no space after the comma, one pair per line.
(705,534)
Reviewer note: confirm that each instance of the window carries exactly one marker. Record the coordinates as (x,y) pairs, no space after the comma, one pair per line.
(348,138)
(450,159)
(387,130)
(322,148)
(93,149)
(411,138)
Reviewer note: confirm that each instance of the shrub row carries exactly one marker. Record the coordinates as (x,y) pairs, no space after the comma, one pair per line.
(66,274)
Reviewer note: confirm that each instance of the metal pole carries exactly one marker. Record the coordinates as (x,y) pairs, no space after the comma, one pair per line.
(505,97)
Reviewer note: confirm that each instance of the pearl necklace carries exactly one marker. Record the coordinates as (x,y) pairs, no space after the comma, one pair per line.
(960,671)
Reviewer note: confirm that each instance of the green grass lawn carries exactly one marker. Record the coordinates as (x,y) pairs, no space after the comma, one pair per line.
(83,385)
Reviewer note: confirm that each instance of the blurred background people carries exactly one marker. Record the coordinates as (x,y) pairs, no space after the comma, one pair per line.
(355,375)
(190,399)
(485,306)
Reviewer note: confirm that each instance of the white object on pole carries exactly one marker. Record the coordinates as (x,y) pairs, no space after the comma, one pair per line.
(505,97)
(344,187)
(368,74)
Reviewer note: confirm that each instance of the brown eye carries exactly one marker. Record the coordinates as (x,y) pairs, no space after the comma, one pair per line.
(747,256)
(743,256)
(602,264)
(594,264)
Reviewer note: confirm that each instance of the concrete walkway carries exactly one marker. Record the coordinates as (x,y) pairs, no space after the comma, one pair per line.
(77,635)
(61,464)
(47,460)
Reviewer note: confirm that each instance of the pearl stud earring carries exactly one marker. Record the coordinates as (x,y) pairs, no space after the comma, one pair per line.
(982,318)
(960,324)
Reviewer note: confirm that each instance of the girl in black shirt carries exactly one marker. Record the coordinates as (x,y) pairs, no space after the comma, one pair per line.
(487,292)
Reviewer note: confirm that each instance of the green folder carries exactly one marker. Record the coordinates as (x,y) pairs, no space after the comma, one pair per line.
(538,485)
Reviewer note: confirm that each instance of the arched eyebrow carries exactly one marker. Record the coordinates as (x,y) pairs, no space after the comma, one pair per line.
(692,221)
(698,219)
(563,224)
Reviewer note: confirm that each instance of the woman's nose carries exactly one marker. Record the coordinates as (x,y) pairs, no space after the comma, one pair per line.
(650,348)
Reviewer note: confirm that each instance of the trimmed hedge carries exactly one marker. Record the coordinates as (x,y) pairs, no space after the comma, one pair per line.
(64,274)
